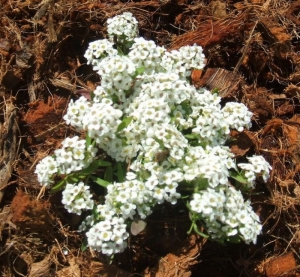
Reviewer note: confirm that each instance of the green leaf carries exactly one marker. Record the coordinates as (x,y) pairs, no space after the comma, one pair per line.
(73,179)
(120,172)
(84,245)
(140,71)
(103,163)
(108,175)
(94,166)
(186,105)
(234,239)
(60,186)
(95,213)
(88,140)
(192,136)
(200,183)
(92,95)
(238,177)
(215,90)
(125,122)
(120,50)
(199,232)
(100,181)
(191,229)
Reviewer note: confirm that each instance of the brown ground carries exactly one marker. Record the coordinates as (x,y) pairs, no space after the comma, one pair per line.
(252,49)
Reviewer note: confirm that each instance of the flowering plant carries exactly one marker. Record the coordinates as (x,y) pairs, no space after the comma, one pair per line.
(166,138)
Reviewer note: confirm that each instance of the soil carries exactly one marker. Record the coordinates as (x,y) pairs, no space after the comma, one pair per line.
(252,49)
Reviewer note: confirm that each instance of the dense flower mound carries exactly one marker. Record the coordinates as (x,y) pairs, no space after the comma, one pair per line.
(169,135)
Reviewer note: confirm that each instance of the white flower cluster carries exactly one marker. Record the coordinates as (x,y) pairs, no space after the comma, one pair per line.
(146,54)
(122,28)
(76,112)
(226,214)
(116,75)
(258,166)
(45,170)
(211,164)
(237,116)
(86,223)
(73,156)
(108,236)
(172,139)
(77,198)
(98,50)
(127,198)
(185,59)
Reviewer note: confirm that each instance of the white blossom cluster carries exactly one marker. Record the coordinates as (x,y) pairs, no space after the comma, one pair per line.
(77,198)
(98,50)
(185,59)
(258,166)
(237,116)
(45,170)
(108,236)
(86,223)
(211,164)
(73,156)
(146,54)
(226,214)
(126,199)
(123,28)
(173,141)
(116,75)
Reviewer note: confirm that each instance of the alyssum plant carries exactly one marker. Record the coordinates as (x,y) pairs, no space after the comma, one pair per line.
(167,141)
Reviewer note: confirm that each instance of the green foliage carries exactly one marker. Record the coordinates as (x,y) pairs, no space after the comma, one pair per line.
(100,181)
(125,122)
(139,71)
(238,176)
(194,227)
(84,174)
(215,90)
(120,171)
(108,175)
(84,245)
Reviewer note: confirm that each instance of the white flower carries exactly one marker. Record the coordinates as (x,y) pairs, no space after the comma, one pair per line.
(123,27)
(258,166)
(108,238)
(159,194)
(76,112)
(99,49)
(77,197)
(172,198)
(105,235)
(45,170)
(128,210)
(237,116)
(130,176)
(151,182)
(78,154)
(243,217)
(122,197)
(226,209)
